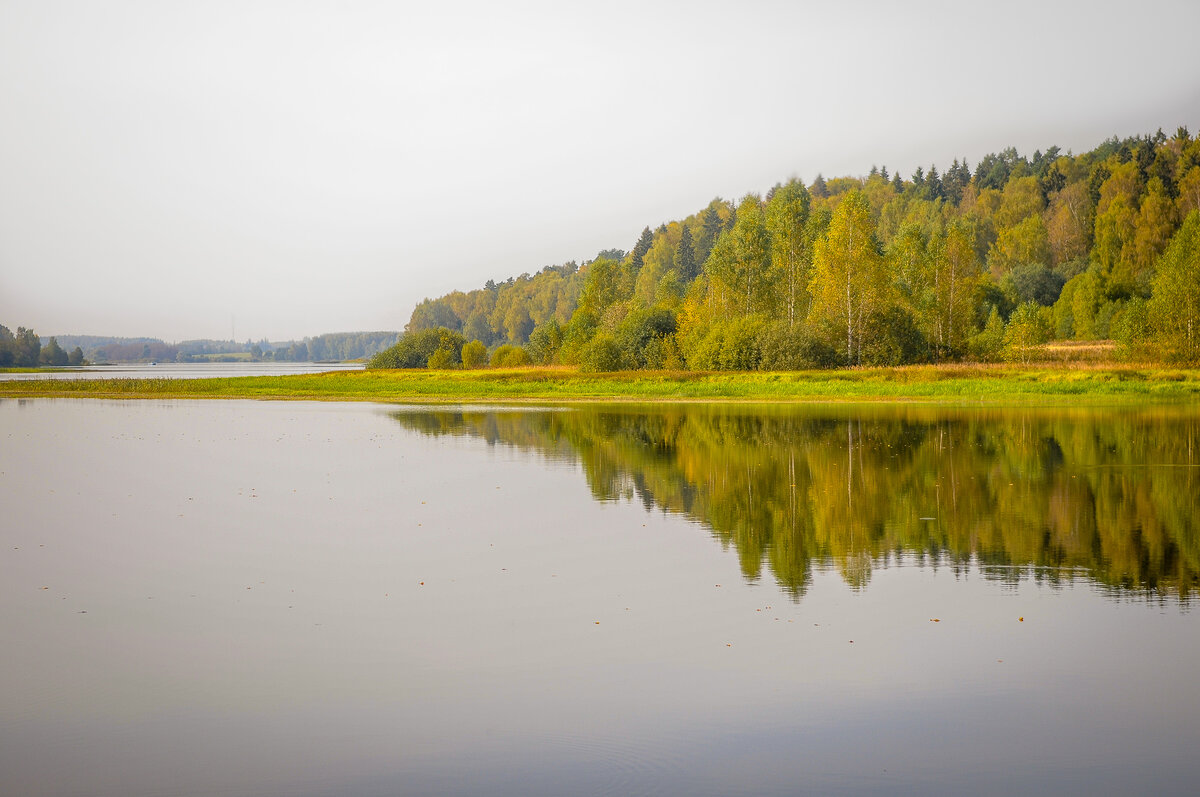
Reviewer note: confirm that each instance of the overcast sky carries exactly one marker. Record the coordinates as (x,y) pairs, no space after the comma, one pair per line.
(281,169)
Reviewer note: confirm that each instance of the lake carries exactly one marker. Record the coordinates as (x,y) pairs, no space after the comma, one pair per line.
(203,370)
(301,598)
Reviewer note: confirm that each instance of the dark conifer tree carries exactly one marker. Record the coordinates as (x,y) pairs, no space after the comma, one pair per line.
(640,249)
(729,222)
(710,228)
(917,185)
(685,257)
(933,184)
(955,180)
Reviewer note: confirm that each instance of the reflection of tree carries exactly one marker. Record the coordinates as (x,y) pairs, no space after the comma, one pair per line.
(1043,494)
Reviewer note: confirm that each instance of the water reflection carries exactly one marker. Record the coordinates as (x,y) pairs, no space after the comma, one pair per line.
(1111,495)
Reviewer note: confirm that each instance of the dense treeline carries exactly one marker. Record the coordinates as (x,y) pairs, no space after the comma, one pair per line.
(348,345)
(25,350)
(1045,494)
(983,264)
(332,346)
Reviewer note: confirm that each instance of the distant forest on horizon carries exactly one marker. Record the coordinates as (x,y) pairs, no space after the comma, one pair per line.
(980,263)
(25,349)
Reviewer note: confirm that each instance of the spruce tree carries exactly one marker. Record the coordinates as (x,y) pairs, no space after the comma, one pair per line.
(933,185)
(640,249)
(710,228)
(685,257)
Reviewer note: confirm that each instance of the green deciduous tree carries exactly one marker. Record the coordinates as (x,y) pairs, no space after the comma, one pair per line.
(658,261)
(1033,282)
(1154,226)
(414,350)
(987,344)
(1131,328)
(601,353)
(785,347)
(544,342)
(52,354)
(27,348)
(1027,329)
(1189,191)
(955,284)
(1066,223)
(517,324)
(1175,292)
(1027,241)
(600,287)
(509,356)
(1085,296)
(443,359)
(431,314)
(891,337)
(639,336)
(1115,225)
(740,262)
(474,354)
(8,347)
(791,253)
(850,280)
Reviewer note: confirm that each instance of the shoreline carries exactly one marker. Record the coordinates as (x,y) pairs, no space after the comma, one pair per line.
(941,384)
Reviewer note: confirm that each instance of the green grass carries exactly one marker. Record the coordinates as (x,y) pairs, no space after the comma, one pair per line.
(944,384)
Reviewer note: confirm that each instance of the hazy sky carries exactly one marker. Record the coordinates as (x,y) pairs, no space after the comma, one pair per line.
(167,168)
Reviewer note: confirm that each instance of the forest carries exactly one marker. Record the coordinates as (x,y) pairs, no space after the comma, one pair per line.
(25,349)
(982,264)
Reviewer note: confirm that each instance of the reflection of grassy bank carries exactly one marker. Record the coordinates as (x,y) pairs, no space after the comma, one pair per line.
(932,383)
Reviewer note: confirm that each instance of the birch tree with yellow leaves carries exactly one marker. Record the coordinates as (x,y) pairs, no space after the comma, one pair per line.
(850,277)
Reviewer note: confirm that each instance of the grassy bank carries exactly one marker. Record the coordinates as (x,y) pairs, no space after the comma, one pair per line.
(950,384)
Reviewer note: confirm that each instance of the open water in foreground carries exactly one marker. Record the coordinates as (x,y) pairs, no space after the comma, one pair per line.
(259,598)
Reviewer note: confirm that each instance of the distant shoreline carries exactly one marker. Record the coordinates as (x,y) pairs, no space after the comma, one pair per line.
(946,384)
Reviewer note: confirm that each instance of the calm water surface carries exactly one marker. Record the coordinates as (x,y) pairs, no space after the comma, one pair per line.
(202,598)
(182,370)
